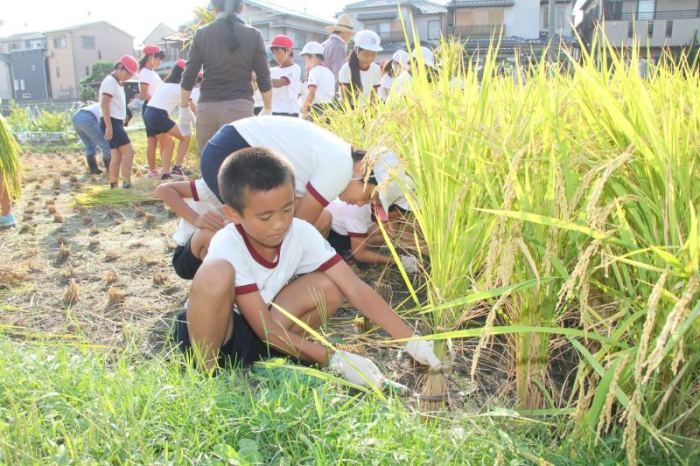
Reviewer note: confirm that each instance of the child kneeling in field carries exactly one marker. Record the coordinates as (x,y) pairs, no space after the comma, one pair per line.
(267,256)
(201,214)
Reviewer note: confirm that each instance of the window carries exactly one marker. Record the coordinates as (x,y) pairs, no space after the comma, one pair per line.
(650,28)
(19,85)
(646,9)
(613,10)
(59,42)
(434,29)
(383,29)
(299,39)
(630,29)
(58,72)
(87,42)
(669,29)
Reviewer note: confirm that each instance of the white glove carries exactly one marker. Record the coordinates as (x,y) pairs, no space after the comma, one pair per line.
(410,263)
(356,369)
(423,352)
(186,118)
(266,112)
(185,128)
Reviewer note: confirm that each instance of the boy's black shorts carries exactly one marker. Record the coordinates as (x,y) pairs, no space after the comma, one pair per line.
(244,348)
(185,263)
(341,244)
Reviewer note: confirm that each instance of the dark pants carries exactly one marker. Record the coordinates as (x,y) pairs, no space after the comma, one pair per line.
(225,142)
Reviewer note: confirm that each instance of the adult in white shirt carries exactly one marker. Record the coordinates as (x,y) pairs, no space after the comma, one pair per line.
(149,80)
(360,77)
(286,78)
(157,118)
(321,82)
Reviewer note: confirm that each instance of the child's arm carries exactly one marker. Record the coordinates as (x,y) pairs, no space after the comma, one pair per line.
(105,100)
(309,99)
(173,195)
(143,90)
(361,252)
(367,301)
(255,312)
(281,82)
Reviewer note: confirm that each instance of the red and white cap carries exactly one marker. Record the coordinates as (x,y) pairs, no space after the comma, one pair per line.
(282,41)
(181,63)
(200,74)
(130,64)
(151,49)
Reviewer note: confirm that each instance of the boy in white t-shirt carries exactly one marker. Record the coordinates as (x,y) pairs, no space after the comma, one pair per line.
(201,214)
(114,113)
(267,260)
(321,81)
(286,78)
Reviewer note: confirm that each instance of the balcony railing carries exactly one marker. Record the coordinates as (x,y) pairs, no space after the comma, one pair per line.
(657,15)
(486,30)
(394,36)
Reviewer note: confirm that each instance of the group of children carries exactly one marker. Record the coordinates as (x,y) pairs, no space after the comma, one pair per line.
(253,241)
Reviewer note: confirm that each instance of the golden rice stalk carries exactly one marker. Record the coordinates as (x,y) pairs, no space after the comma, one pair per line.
(116,296)
(484,338)
(58,218)
(649,323)
(609,169)
(672,322)
(10,278)
(51,209)
(579,272)
(434,396)
(112,256)
(10,165)
(630,435)
(63,252)
(71,294)
(111,277)
(149,219)
(159,278)
(606,418)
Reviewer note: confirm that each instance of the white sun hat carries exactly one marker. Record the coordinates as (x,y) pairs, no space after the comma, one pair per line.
(401,57)
(391,178)
(368,40)
(312,48)
(427,54)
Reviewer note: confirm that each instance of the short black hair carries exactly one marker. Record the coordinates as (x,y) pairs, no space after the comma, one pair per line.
(252,169)
(358,155)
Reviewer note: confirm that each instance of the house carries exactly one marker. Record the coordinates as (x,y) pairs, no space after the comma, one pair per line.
(72,51)
(563,23)
(656,24)
(173,50)
(388,18)
(271,20)
(25,58)
(5,77)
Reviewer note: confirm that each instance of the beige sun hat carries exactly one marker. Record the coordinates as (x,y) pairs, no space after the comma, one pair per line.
(343,24)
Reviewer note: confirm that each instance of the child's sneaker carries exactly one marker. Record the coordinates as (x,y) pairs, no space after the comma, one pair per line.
(113,185)
(166,176)
(178,171)
(8,221)
(153,174)
(126,185)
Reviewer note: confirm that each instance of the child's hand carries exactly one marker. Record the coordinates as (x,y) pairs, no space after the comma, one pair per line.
(423,352)
(356,369)
(108,133)
(209,221)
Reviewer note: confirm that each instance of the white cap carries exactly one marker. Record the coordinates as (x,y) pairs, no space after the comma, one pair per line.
(368,40)
(391,178)
(428,57)
(312,48)
(401,57)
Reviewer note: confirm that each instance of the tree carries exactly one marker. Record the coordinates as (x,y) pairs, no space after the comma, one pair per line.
(87,94)
(100,70)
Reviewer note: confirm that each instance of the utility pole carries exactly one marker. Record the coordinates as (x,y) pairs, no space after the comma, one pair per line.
(552,13)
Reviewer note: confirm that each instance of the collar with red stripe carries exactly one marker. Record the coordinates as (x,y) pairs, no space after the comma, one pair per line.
(256,255)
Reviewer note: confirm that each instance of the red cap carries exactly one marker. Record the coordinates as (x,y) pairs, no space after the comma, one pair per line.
(181,63)
(200,74)
(130,63)
(282,41)
(151,49)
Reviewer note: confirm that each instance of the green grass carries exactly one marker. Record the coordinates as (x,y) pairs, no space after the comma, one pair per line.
(61,404)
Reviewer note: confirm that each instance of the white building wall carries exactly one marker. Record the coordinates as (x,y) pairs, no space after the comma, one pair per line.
(523,19)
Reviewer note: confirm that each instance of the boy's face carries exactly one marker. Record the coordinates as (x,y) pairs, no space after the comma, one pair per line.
(310,61)
(267,215)
(358,192)
(280,54)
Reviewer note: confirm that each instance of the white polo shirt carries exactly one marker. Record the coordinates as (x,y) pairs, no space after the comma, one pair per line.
(322,161)
(370,78)
(351,220)
(150,78)
(117,106)
(302,251)
(324,80)
(285,99)
(167,97)
(203,200)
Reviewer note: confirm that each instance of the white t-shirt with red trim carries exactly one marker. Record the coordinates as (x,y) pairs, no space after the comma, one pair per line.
(324,80)
(285,99)
(203,200)
(370,78)
(151,79)
(166,97)
(117,106)
(302,251)
(322,161)
(351,220)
